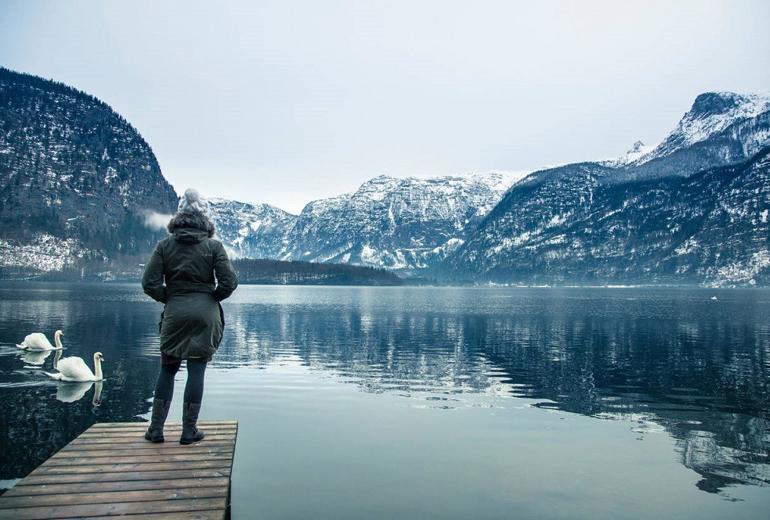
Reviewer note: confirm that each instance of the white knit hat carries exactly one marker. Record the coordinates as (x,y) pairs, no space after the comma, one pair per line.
(193,202)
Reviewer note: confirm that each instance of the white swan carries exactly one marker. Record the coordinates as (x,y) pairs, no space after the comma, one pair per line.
(74,369)
(38,342)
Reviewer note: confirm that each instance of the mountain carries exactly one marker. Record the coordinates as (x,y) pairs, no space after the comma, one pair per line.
(401,224)
(77,181)
(720,128)
(80,189)
(652,219)
(251,230)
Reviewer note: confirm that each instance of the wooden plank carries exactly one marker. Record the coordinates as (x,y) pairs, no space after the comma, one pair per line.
(114,468)
(141,444)
(114,509)
(109,497)
(144,423)
(103,427)
(152,450)
(125,476)
(171,439)
(140,431)
(187,515)
(119,485)
(141,427)
(136,459)
(134,438)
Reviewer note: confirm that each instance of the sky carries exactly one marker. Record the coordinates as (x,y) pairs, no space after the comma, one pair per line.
(285,102)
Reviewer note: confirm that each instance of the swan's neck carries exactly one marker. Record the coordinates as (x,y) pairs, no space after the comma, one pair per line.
(57,339)
(98,368)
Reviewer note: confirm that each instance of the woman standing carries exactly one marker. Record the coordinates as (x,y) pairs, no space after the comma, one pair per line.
(190,273)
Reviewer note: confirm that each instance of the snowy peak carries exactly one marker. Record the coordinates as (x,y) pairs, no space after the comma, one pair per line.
(637,150)
(251,230)
(382,186)
(711,114)
(219,205)
(399,223)
(729,104)
(700,215)
(638,147)
(500,181)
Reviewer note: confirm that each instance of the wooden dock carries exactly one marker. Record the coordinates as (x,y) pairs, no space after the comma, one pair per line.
(110,470)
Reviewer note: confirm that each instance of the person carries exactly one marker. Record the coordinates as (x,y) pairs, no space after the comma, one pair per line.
(190,273)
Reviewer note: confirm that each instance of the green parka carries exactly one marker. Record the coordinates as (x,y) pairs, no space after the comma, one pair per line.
(190,273)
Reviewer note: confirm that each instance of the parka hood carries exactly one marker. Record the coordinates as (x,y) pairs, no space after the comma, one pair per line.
(189,235)
(191,227)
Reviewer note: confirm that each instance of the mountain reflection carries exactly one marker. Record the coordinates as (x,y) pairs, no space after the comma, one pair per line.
(702,380)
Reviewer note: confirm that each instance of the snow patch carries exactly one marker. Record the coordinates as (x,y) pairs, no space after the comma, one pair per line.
(740,272)
(44,253)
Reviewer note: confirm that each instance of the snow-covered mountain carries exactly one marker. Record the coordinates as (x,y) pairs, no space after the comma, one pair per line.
(76,179)
(421,226)
(403,224)
(715,113)
(694,209)
(251,230)
(720,128)
(79,185)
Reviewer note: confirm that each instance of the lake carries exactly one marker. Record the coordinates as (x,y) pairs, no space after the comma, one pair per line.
(433,402)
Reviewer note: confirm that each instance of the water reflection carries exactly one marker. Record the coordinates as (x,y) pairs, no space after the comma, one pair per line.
(682,366)
(671,361)
(31,357)
(71,392)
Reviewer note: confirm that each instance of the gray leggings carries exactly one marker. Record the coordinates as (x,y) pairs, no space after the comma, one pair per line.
(193,390)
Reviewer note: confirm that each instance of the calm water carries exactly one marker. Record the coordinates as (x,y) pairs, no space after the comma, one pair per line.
(422,402)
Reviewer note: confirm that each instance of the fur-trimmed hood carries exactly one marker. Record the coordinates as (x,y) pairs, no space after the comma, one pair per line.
(194,226)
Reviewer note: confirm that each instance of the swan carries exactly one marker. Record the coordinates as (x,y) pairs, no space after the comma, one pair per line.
(37,341)
(74,369)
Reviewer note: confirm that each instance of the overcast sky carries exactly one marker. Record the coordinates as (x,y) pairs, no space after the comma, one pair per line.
(284,102)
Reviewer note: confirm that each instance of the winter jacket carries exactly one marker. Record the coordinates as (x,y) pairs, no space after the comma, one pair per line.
(190,273)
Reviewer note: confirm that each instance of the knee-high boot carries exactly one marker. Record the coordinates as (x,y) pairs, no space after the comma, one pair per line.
(160,409)
(190,433)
